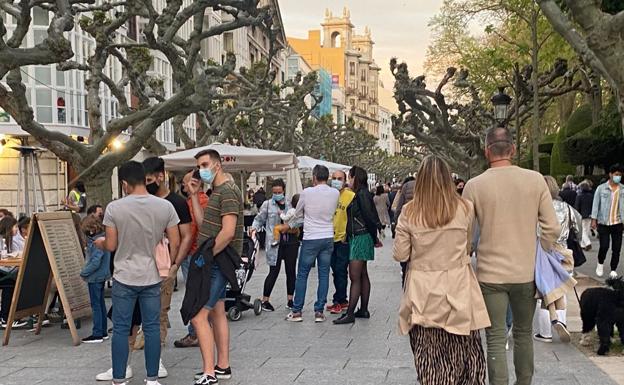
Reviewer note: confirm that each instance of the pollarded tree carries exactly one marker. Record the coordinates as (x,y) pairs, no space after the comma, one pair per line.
(595,29)
(428,122)
(142,99)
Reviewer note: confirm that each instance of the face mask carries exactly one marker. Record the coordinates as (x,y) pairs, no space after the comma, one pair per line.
(337,184)
(278,197)
(152,188)
(460,191)
(184,193)
(207,175)
(617,179)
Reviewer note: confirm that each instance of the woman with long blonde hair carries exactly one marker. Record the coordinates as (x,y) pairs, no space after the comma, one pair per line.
(442,308)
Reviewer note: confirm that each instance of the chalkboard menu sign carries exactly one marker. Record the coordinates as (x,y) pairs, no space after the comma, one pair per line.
(52,252)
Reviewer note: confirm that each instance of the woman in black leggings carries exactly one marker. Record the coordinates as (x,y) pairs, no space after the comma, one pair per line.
(280,246)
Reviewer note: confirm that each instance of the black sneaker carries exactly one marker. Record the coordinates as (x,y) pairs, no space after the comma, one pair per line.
(223,374)
(206,379)
(266,306)
(16,324)
(92,340)
(290,304)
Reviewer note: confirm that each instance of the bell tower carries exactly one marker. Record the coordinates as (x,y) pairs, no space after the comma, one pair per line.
(337,30)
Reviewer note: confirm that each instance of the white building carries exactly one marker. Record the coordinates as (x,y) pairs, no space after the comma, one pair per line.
(387,108)
(59,98)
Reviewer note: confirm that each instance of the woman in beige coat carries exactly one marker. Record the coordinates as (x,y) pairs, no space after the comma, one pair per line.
(442,308)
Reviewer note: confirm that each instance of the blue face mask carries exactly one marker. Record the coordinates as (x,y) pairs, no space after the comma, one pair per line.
(617,179)
(206,175)
(278,197)
(337,184)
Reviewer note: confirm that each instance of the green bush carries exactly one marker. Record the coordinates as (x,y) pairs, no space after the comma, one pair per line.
(600,144)
(580,119)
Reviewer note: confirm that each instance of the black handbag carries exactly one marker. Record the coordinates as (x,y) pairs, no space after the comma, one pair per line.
(574,244)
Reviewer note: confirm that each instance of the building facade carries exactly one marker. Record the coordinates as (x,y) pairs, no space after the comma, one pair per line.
(348,57)
(59,98)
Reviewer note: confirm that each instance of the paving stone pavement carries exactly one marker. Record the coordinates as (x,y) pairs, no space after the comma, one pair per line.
(268,350)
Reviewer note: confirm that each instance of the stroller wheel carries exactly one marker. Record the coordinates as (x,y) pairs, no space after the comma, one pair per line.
(257,307)
(234,314)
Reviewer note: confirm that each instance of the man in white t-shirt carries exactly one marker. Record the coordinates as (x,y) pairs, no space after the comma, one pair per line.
(316,207)
(134,226)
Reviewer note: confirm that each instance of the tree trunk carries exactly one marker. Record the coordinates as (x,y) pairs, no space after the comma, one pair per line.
(534,81)
(517,113)
(566,107)
(619,94)
(99,188)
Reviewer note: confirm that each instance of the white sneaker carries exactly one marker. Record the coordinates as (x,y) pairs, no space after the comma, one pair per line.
(600,270)
(108,375)
(613,274)
(162,371)
(152,382)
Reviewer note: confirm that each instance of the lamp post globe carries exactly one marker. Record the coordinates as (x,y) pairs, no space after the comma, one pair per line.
(501,102)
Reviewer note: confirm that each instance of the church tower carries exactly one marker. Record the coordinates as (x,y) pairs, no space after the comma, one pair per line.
(337,30)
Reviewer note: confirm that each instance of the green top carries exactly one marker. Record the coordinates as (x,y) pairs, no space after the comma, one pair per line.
(226,199)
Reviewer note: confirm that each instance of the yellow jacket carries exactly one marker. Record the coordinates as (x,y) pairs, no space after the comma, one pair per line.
(340,217)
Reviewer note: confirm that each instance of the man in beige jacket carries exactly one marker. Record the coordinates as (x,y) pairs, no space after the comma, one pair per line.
(510,203)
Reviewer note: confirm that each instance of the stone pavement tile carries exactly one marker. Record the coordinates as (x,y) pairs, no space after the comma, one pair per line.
(349,377)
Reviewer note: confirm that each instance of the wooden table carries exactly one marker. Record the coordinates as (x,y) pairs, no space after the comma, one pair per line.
(11,262)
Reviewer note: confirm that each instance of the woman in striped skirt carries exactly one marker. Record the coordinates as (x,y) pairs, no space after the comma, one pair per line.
(442,308)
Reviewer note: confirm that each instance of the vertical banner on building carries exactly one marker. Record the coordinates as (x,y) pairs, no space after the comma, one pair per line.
(335,81)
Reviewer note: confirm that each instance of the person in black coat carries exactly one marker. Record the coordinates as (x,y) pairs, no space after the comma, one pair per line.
(583,204)
(568,194)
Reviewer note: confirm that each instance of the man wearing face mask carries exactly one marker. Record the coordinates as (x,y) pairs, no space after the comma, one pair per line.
(134,226)
(222,221)
(607,217)
(155,183)
(340,256)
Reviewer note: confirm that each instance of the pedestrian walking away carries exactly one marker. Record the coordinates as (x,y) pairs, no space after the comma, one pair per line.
(442,308)
(382,205)
(510,203)
(135,224)
(363,228)
(551,313)
(222,224)
(607,217)
(156,184)
(315,211)
(583,204)
(340,255)
(282,242)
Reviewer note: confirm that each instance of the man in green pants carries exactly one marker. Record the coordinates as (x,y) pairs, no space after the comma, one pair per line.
(510,203)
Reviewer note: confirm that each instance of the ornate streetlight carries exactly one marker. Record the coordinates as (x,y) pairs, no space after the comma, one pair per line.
(501,102)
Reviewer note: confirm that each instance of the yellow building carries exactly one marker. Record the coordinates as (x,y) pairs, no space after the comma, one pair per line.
(349,59)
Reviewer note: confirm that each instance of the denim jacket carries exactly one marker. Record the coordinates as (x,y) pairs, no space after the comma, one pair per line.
(268,217)
(97,267)
(602,203)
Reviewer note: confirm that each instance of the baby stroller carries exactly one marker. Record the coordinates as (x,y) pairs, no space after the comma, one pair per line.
(236,302)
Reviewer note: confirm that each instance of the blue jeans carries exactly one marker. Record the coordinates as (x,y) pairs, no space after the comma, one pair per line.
(185,269)
(96,295)
(339,265)
(312,250)
(124,299)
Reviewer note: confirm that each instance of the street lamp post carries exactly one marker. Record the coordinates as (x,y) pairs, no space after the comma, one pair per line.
(501,102)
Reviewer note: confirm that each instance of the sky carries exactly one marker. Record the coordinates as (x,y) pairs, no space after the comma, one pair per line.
(399,27)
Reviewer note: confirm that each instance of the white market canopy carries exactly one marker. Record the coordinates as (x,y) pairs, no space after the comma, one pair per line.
(239,158)
(235,158)
(306,164)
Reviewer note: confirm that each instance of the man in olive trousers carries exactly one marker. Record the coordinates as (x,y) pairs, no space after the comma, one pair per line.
(510,203)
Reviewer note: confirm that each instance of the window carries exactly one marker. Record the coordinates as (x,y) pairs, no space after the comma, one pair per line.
(40,16)
(39,36)
(363,77)
(43,75)
(336,40)
(352,69)
(228,42)
(60,78)
(60,108)
(44,105)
